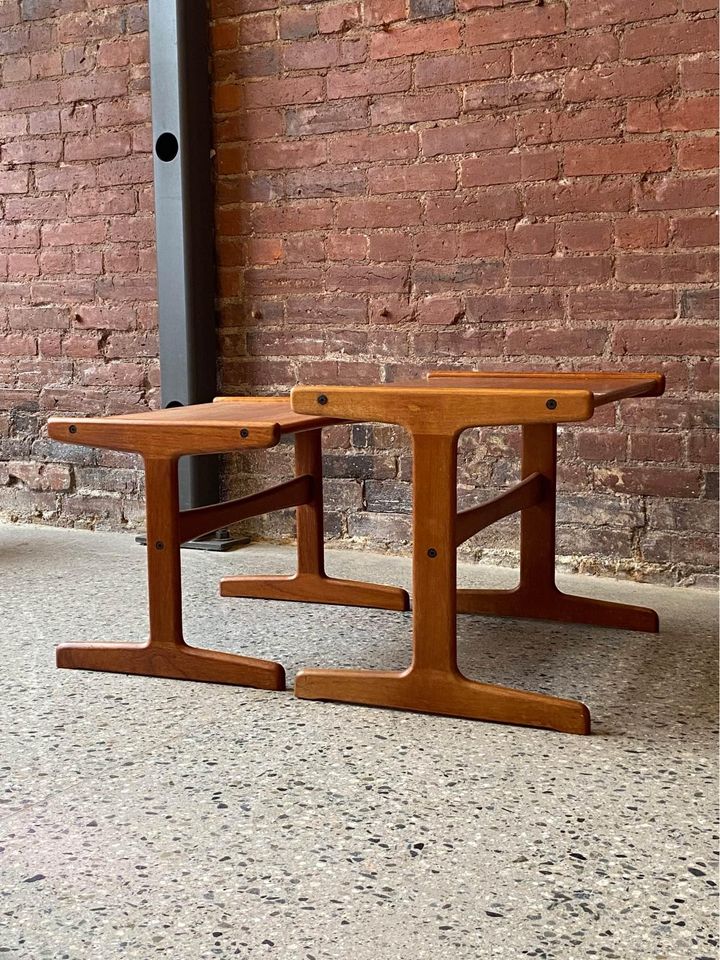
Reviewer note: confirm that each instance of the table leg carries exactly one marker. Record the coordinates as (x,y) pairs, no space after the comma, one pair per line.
(166,654)
(433,682)
(537,595)
(311,584)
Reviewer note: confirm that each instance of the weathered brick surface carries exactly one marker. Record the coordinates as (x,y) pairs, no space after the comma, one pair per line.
(400,185)
(77,286)
(478,183)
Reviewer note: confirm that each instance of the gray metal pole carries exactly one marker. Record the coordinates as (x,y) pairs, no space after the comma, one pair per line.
(181,120)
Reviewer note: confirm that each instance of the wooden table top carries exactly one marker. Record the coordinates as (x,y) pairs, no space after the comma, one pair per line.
(605,387)
(457,400)
(228,424)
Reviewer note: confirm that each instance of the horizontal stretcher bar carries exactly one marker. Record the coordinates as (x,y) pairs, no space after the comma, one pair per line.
(201,520)
(527,493)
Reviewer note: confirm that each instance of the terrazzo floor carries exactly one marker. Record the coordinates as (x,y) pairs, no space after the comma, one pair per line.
(146,818)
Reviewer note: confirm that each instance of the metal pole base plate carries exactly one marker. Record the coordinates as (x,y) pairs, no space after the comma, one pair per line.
(218,542)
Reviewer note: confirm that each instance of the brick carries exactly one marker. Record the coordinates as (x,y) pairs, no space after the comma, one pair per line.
(439,278)
(619,80)
(23,265)
(679,341)
(588,13)
(547,341)
(699,73)
(295,23)
(41,476)
(650,116)
(18,345)
(699,304)
(658,447)
(346,246)
(224,36)
(44,121)
(94,147)
(493,203)
(696,231)
(421,38)
(292,217)
(279,156)
(587,123)
(462,68)
(372,278)
(31,94)
(675,193)
(32,151)
(94,86)
(645,156)
(310,54)
(259,29)
(326,182)
(559,271)
(339,17)
(698,154)
(666,267)
(667,39)
(515,306)
(375,79)
(270,92)
(590,236)
(642,233)
(373,147)
(18,236)
(378,12)
(479,244)
(422,9)
(619,305)
(378,213)
(509,168)
(327,118)
(411,109)
(13,181)
(562,52)
(653,481)
(515,24)
(413,178)
(442,311)
(585,196)
(110,201)
(532,238)
(509,94)
(467,137)
(389,246)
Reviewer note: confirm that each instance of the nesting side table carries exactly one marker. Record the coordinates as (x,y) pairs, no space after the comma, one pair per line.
(435,413)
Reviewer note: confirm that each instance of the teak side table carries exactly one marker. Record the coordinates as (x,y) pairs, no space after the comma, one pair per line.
(162,437)
(435,413)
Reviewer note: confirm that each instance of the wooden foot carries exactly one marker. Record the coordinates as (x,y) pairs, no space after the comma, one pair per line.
(317,588)
(179,662)
(311,584)
(552,604)
(446,693)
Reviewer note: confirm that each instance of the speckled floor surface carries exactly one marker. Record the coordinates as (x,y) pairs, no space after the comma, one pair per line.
(148,818)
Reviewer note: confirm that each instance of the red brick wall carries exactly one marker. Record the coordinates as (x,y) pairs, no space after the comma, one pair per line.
(475,183)
(398,188)
(77,285)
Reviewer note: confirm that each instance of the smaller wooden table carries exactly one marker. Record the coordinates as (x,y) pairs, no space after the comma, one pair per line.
(435,413)
(162,437)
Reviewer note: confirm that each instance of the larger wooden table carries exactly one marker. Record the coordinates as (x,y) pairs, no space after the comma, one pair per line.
(435,413)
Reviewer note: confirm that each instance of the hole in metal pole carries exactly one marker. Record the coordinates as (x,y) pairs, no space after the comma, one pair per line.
(166,147)
(173,403)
